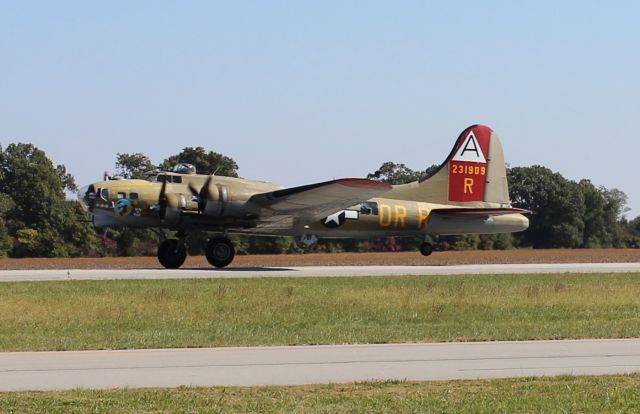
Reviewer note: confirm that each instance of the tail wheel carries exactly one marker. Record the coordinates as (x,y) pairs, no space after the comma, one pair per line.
(220,252)
(172,253)
(426,249)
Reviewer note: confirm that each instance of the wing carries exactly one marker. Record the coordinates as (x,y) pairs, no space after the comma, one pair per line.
(316,201)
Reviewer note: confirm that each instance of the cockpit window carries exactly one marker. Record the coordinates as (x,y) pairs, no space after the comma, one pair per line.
(104,194)
(161,178)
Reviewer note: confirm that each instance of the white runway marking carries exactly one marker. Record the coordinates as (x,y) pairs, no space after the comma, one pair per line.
(315,271)
(314,364)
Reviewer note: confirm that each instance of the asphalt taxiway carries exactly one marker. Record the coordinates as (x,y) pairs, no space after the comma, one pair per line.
(315,271)
(314,364)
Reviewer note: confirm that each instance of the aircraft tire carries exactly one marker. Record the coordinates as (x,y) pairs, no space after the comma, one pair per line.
(171,254)
(220,252)
(426,249)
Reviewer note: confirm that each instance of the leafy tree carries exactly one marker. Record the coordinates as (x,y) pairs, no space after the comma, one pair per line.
(595,227)
(502,241)
(393,173)
(205,162)
(633,229)
(78,234)
(27,243)
(38,218)
(68,182)
(6,243)
(557,203)
(603,218)
(614,210)
(133,165)
(271,245)
(135,242)
(35,186)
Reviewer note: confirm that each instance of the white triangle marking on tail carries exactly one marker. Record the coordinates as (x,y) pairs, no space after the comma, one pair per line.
(470,150)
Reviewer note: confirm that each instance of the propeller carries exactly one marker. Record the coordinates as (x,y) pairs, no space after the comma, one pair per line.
(168,205)
(195,193)
(203,194)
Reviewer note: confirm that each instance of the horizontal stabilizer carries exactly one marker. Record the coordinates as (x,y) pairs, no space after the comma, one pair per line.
(477,212)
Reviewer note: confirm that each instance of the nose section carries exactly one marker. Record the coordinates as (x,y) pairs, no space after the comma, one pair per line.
(87,197)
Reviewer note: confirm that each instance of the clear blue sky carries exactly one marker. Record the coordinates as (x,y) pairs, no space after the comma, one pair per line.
(298,92)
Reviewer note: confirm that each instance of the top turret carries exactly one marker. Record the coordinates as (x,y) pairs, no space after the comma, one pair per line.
(184,168)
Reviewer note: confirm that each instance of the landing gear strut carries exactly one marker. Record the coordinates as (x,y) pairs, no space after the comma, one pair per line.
(220,252)
(172,253)
(426,249)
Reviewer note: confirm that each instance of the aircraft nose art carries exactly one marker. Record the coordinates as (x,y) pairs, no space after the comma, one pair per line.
(468,166)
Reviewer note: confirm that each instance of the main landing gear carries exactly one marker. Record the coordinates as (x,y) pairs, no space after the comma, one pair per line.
(220,252)
(173,252)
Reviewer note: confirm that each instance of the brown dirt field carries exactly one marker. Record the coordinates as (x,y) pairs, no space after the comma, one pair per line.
(345,259)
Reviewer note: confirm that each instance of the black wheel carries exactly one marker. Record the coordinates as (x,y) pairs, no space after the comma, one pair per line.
(426,249)
(220,251)
(171,254)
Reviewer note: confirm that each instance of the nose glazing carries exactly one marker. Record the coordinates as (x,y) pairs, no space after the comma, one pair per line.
(87,196)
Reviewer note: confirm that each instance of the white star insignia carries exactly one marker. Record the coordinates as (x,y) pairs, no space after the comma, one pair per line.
(335,217)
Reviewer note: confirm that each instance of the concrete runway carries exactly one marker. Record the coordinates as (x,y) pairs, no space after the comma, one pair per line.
(314,364)
(315,271)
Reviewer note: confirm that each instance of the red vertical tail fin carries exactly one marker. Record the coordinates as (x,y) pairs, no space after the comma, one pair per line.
(468,166)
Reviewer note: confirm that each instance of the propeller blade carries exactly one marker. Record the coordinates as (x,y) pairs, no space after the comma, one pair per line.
(204,195)
(193,190)
(162,199)
(163,189)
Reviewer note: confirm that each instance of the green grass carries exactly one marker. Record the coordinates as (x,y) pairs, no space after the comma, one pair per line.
(225,312)
(603,394)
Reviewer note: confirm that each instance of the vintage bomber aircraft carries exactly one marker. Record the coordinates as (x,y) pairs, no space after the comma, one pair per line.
(467,194)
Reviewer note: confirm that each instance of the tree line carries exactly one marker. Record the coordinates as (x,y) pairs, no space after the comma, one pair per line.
(37,220)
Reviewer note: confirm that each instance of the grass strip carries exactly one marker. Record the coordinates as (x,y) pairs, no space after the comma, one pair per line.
(121,314)
(596,394)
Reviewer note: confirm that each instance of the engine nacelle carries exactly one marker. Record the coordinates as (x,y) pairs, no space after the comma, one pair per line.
(216,201)
(171,210)
(172,216)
